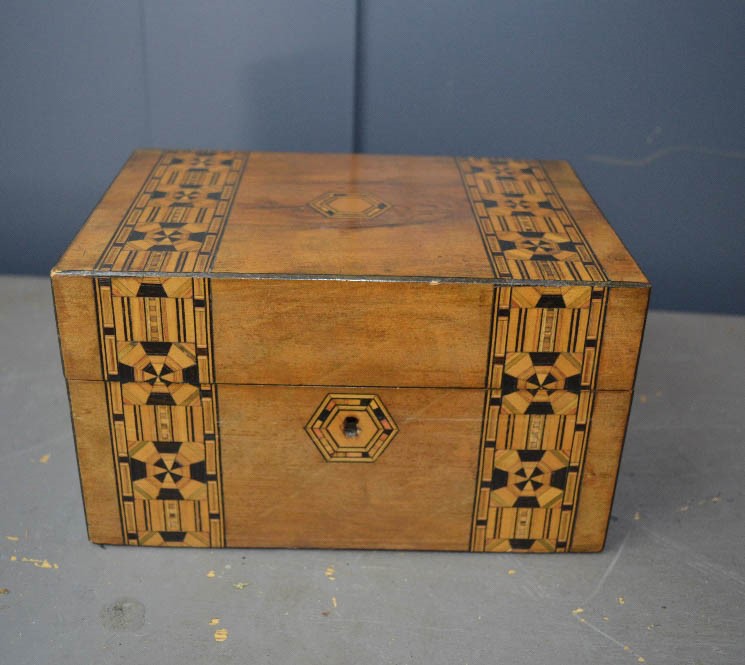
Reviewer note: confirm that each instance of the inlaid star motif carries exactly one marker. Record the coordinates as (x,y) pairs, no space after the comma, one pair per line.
(201,161)
(527,478)
(533,478)
(174,470)
(166,237)
(541,382)
(158,373)
(537,246)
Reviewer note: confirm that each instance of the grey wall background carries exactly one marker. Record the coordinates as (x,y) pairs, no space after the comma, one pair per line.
(646,99)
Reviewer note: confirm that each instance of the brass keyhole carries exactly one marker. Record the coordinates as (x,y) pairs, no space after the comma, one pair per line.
(351,426)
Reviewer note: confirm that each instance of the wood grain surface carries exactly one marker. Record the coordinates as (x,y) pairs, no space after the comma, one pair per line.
(605,442)
(281,225)
(280,491)
(95,459)
(351,333)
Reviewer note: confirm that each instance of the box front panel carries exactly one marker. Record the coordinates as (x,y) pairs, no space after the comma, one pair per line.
(497,468)
(376,468)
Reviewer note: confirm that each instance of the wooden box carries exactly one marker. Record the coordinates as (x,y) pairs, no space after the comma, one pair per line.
(349,351)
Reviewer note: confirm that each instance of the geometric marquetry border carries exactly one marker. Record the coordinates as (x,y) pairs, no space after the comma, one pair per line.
(542,363)
(177,219)
(527,230)
(155,337)
(542,372)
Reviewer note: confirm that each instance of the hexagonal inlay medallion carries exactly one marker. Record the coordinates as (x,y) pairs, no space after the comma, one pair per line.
(351,428)
(355,205)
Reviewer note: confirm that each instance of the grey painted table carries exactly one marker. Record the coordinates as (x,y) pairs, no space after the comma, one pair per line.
(670,587)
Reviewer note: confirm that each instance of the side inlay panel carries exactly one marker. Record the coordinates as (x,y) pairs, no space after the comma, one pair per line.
(156,353)
(542,368)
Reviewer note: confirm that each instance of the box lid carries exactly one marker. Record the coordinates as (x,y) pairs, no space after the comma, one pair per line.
(313,269)
(340,216)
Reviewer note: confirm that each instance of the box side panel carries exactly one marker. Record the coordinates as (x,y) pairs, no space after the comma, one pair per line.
(77,326)
(293,478)
(625,317)
(617,263)
(606,437)
(95,461)
(351,333)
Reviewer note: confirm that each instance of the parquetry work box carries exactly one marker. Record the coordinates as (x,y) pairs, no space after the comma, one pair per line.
(297,350)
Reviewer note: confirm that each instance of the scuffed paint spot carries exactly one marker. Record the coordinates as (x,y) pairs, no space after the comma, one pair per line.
(330,571)
(221,634)
(124,614)
(240,585)
(44,458)
(38,563)
(214,621)
(210,573)
(13,538)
